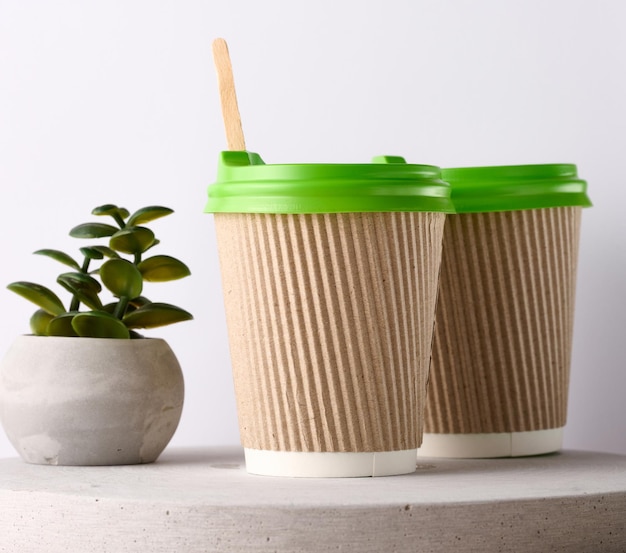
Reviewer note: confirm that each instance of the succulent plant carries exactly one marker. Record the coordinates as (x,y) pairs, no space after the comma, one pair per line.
(123,277)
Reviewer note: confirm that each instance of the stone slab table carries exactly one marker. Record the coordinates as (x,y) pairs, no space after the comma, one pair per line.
(203,500)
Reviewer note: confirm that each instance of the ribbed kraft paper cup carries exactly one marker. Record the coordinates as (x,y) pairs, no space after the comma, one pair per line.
(501,351)
(330,319)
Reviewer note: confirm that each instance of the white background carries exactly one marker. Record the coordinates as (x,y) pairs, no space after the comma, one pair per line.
(116,102)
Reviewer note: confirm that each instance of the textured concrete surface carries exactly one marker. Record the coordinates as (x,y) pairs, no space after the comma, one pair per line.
(203,500)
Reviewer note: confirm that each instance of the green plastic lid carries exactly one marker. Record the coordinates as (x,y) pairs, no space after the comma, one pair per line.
(512,187)
(245,184)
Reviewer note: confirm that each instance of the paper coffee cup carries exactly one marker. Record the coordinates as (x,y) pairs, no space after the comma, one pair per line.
(330,276)
(501,351)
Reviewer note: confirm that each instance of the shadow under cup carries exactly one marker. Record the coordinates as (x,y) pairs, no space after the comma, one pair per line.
(501,351)
(330,276)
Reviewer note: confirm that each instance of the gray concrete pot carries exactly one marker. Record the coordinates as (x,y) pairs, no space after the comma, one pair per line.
(90,401)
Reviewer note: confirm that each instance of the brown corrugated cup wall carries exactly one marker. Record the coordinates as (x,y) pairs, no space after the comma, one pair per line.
(501,350)
(330,323)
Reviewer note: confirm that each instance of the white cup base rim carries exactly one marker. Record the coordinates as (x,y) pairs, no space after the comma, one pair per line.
(330,464)
(490,445)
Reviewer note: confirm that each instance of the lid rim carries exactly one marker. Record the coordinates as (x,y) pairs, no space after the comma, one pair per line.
(246,184)
(516,187)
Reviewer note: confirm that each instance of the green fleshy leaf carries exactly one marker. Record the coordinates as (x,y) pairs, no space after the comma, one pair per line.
(62,325)
(106,251)
(110,209)
(93,230)
(155,243)
(39,295)
(133,304)
(162,268)
(39,322)
(91,252)
(84,287)
(109,307)
(138,302)
(106,209)
(59,256)
(156,314)
(122,278)
(98,324)
(147,214)
(132,240)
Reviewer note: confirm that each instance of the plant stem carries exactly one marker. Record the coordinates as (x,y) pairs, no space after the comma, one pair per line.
(120,308)
(119,220)
(75,303)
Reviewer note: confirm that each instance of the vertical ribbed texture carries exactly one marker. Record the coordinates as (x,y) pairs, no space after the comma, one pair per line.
(330,321)
(501,351)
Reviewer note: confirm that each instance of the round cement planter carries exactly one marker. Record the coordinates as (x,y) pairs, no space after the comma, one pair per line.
(90,401)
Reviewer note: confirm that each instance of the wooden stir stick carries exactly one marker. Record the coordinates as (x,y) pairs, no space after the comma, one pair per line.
(228,98)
